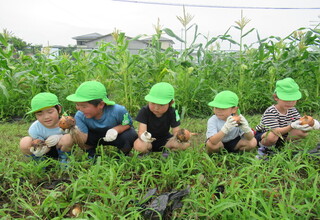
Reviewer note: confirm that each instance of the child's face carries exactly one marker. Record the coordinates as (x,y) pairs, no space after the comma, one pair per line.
(89,110)
(224,113)
(48,117)
(285,105)
(158,109)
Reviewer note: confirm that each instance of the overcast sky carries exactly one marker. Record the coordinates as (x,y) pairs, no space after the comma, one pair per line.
(55,22)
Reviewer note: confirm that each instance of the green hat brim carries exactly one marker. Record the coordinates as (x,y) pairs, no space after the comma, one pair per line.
(156,100)
(40,109)
(76,98)
(218,105)
(289,97)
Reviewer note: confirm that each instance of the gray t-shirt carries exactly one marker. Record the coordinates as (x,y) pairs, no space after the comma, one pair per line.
(215,124)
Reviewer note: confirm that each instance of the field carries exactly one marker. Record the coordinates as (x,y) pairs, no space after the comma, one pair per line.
(221,186)
(189,184)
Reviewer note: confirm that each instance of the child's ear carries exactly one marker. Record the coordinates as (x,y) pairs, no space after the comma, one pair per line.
(59,109)
(101,104)
(275,97)
(171,102)
(234,110)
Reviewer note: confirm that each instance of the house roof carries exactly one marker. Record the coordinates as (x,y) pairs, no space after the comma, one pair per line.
(91,36)
(161,39)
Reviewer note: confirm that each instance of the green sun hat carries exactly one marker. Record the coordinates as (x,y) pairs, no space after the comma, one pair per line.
(287,90)
(160,93)
(43,100)
(225,99)
(90,90)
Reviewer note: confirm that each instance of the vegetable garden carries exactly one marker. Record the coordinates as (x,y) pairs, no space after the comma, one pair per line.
(284,187)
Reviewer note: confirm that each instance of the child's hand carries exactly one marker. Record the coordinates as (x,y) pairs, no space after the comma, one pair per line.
(147,137)
(111,135)
(40,151)
(316,125)
(230,123)
(53,140)
(244,125)
(297,125)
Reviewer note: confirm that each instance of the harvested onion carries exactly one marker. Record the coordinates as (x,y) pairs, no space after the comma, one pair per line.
(183,135)
(236,118)
(307,120)
(67,122)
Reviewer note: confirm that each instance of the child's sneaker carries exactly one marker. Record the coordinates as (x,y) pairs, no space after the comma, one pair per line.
(63,158)
(263,152)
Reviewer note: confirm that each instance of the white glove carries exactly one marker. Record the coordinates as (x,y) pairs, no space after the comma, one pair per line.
(297,125)
(68,131)
(316,125)
(230,123)
(244,125)
(53,140)
(147,137)
(111,135)
(40,151)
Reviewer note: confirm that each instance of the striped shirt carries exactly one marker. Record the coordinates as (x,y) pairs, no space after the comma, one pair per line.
(272,118)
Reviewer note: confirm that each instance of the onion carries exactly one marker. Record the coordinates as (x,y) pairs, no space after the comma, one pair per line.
(307,120)
(236,118)
(37,143)
(183,135)
(76,210)
(67,122)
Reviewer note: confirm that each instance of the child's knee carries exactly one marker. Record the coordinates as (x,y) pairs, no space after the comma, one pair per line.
(270,139)
(252,144)
(25,144)
(213,148)
(141,146)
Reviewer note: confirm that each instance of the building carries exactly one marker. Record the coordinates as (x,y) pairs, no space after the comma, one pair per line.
(92,41)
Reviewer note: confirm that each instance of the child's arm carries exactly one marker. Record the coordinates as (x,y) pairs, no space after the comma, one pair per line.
(245,127)
(143,135)
(216,138)
(121,128)
(175,130)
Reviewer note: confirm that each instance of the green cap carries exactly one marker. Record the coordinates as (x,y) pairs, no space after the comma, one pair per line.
(43,100)
(225,99)
(88,91)
(161,93)
(287,90)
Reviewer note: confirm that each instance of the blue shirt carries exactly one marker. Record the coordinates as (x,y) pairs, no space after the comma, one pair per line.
(39,131)
(113,115)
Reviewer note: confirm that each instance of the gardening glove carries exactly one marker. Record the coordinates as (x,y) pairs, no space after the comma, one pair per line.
(68,131)
(316,125)
(297,125)
(147,137)
(230,123)
(111,135)
(53,140)
(244,125)
(40,151)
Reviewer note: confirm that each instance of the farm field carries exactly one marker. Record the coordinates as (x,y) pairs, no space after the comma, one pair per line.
(221,186)
(189,184)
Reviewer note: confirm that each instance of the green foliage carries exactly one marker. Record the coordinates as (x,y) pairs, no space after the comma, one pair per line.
(284,187)
(198,72)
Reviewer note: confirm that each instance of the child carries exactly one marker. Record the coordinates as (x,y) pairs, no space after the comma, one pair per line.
(101,121)
(46,130)
(281,119)
(222,129)
(156,119)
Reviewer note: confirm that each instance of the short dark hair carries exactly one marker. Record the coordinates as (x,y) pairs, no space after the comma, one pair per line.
(95,102)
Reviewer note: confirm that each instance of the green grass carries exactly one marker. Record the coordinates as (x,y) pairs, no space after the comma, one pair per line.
(284,187)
